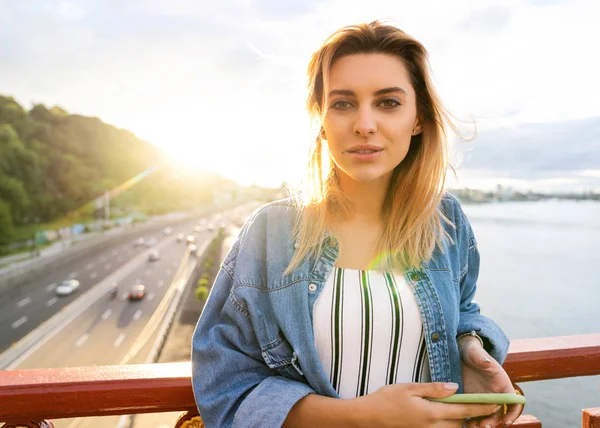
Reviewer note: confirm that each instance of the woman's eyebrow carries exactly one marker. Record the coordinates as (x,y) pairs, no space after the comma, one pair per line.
(383,91)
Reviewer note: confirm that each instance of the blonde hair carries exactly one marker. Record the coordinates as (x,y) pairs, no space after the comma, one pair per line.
(411,213)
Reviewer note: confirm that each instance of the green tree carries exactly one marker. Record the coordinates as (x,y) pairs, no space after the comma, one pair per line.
(6,224)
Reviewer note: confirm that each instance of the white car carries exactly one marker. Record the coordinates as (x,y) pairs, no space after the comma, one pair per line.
(153,256)
(193,248)
(138,242)
(180,237)
(150,242)
(167,231)
(67,287)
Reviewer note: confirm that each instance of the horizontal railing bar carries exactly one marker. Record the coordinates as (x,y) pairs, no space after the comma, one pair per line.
(155,388)
(553,358)
(95,391)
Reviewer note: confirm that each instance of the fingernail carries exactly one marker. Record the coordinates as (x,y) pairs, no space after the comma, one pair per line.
(451,386)
(507,423)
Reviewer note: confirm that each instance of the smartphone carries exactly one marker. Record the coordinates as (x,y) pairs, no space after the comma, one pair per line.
(482,399)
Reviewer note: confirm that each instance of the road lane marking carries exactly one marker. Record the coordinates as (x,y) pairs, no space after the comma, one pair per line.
(93,275)
(23,302)
(137,314)
(89,266)
(82,340)
(72,275)
(106,314)
(161,283)
(150,296)
(19,322)
(52,301)
(51,286)
(119,339)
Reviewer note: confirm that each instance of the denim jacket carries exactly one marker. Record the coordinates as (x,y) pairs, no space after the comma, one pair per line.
(253,350)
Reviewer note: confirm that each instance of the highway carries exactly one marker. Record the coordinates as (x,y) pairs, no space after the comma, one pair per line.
(109,331)
(26,307)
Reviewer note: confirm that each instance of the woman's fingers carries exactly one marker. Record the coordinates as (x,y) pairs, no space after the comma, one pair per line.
(513,413)
(492,421)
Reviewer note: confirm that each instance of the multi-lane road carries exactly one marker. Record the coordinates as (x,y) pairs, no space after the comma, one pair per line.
(105,331)
(24,309)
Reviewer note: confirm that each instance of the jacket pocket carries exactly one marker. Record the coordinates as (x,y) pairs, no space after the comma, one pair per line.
(280,357)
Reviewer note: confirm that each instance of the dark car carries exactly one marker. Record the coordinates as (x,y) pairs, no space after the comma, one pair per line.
(137,292)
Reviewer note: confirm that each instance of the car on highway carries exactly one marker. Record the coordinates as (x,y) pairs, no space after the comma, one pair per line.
(191,239)
(150,242)
(167,231)
(137,292)
(197,228)
(153,255)
(138,242)
(67,287)
(193,248)
(180,237)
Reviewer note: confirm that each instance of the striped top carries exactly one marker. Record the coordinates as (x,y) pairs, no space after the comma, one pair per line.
(368,332)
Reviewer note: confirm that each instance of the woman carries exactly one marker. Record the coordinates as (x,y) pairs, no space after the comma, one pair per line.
(353,304)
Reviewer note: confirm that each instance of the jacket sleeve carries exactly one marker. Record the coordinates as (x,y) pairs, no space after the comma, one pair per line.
(233,386)
(495,341)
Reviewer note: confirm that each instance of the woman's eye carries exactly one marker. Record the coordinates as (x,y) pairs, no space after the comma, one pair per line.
(389,103)
(341,105)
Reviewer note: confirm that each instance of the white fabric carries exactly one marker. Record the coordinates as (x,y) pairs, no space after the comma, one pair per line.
(375,314)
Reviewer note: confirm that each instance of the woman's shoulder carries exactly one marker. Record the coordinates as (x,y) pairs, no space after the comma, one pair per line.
(275,218)
(279,210)
(450,207)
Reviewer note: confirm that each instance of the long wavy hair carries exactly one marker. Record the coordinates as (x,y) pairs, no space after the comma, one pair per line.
(411,215)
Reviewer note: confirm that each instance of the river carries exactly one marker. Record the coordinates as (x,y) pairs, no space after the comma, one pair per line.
(540,276)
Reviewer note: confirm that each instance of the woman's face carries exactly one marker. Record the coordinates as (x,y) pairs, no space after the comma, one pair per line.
(371,116)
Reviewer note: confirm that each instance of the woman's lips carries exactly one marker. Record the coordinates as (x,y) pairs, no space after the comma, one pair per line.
(365,154)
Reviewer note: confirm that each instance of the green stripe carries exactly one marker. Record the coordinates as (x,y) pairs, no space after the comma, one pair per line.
(337,333)
(396,317)
(419,357)
(367,333)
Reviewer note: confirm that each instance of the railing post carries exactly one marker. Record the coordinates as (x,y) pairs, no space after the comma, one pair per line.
(591,418)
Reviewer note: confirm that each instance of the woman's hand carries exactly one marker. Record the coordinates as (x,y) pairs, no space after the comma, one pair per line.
(482,374)
(404,405)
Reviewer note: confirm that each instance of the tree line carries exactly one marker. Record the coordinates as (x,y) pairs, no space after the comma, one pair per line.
(53,165)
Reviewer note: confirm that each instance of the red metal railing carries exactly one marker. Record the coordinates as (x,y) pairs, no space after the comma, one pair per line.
(44,394)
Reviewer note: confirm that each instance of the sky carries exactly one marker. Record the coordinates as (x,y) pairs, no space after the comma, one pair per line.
(221,85)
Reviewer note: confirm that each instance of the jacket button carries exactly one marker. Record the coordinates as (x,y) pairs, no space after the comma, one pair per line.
(296,244)
(435,337)
(415,276)
(312,287)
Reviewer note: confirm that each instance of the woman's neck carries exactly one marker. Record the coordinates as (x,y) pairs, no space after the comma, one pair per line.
(367,197)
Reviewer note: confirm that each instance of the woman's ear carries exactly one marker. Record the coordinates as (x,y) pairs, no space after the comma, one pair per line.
(417,129)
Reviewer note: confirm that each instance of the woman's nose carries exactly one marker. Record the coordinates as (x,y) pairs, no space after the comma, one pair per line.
(365,123)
